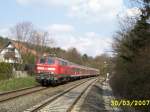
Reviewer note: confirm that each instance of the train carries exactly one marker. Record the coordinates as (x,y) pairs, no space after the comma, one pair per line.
(53,71)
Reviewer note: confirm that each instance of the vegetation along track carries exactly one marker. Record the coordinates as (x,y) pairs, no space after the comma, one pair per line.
(64,101)
(18,93)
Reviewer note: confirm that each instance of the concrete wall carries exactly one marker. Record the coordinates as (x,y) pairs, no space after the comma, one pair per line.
(18,74)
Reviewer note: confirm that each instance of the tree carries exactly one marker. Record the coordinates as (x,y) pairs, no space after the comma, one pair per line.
(131,77)
(26,33)
(74,56)
(22,31)
(42,40)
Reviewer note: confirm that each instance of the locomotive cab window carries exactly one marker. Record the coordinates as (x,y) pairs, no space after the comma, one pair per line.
(42,60)
(50,61)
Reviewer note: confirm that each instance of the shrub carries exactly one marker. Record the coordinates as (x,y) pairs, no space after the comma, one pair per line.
(19,67)
(5,70)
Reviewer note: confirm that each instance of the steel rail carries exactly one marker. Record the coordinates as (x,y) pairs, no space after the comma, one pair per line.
(53,98)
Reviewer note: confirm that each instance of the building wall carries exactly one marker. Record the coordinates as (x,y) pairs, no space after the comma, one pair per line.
(7,49)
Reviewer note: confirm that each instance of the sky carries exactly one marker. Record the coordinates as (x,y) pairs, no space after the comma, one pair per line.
(88,25)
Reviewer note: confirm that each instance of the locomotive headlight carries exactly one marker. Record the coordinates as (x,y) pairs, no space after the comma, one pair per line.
(40,68)
(51,69)
(52,72)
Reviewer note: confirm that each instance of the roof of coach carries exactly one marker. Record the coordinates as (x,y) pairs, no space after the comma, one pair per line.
(84,67)
(56,58)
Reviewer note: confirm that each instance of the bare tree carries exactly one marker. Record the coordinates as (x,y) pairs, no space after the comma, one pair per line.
(22,31)
(42,40)
(73,55)
(26,33)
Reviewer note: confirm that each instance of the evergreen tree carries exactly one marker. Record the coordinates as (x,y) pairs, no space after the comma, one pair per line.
(131,78)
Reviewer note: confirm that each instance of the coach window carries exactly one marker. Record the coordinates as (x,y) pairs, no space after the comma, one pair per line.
(63,63)
(60,62)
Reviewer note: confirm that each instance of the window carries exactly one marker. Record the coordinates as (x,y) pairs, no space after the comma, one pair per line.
(42,60)
(50,61)
(63,63)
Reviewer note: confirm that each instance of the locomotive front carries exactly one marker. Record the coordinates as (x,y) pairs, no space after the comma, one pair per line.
(46,70)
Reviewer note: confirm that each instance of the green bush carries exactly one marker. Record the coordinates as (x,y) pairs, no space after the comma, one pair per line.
(5,71)
(19,67)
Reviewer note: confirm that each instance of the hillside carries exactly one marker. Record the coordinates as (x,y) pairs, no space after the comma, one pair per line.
(30,52)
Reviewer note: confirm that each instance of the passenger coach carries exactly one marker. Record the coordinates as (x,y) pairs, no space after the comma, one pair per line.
(53,70)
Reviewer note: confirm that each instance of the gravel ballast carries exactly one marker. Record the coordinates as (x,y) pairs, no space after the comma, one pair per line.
(98,99)
(22,103)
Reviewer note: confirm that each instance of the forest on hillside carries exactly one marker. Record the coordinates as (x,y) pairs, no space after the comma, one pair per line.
(40,45)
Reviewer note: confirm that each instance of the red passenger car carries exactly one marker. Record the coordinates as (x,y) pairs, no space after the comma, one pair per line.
(53,70)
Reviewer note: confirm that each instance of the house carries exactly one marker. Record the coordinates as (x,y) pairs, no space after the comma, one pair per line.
(10,54)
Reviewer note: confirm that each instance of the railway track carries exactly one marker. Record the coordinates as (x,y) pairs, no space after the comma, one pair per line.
(18,93)
(10,95)
(64,101)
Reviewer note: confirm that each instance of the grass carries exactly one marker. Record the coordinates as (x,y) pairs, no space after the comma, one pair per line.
(17,83)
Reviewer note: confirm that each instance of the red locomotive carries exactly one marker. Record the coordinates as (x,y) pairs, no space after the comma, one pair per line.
(53,70)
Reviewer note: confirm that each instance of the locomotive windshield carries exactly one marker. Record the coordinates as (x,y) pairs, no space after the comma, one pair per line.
(42,60)
(46,60)
(50,61)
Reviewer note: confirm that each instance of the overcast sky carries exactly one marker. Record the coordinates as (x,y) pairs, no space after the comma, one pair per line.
(87,25)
